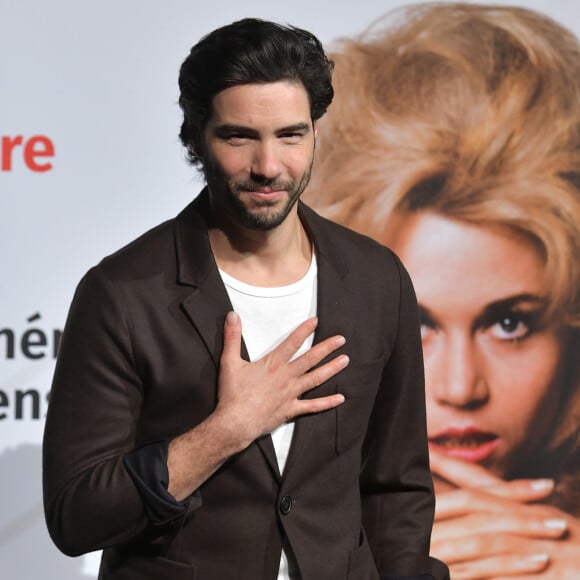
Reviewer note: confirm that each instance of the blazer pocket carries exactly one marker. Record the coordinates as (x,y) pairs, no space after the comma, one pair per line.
(359,383)
(361,564)
(145,568)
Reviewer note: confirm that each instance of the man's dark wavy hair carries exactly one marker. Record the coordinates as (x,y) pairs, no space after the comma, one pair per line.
(246,52)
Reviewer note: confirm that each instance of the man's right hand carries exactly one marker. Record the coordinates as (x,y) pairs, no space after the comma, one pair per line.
(256,397)
(253,399)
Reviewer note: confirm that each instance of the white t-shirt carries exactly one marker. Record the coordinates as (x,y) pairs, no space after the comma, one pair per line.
(268,316)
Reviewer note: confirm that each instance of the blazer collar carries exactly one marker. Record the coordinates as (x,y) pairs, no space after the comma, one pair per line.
(192,232)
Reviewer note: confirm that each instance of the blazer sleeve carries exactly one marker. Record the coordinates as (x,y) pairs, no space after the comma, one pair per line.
(396,486)
(91,501)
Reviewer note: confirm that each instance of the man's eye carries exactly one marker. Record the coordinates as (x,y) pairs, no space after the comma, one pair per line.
(236,139)
(511,327)
(291,137)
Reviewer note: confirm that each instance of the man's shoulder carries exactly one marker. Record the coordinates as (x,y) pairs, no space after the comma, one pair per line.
(355,247)
(152,253)
(148,251)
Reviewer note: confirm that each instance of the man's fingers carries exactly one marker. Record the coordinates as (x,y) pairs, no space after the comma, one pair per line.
(306,406)
(288,347)
(320,375)
(317,353)
(232,337)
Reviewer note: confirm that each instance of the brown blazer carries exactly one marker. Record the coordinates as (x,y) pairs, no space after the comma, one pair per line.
(138,364)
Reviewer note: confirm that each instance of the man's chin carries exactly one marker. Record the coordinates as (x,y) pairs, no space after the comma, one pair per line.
(262,222)
(264,216)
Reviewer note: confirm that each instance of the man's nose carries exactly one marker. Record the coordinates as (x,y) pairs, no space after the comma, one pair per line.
(459,377)
(266,163)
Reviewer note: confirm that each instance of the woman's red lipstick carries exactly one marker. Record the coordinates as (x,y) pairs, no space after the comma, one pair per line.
(470,444)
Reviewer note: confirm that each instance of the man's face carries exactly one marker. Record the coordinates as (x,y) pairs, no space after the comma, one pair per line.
(258,153)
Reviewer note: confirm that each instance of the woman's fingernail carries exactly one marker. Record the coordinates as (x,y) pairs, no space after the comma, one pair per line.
(537,558)
(556,524)
(542,484)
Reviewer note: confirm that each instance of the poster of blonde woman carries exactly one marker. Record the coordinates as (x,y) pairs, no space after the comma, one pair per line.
(454,139)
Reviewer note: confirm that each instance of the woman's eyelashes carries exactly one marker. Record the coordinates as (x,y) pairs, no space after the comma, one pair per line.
(503,320)
(513,326)
(512,319)
(428,324)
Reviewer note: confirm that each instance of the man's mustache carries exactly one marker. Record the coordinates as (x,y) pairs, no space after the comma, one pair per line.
(261,185)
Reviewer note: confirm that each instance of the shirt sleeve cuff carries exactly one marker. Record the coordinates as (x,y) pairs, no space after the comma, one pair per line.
(147,467)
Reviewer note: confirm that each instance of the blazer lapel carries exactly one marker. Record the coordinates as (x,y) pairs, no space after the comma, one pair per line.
(208,303)
(335,316)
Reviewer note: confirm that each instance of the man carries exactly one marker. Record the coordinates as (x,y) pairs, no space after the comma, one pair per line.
(186,451)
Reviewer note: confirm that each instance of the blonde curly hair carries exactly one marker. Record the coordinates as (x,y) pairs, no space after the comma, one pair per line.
(472,111)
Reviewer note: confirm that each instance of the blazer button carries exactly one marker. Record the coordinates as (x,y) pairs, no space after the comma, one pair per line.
(286,505)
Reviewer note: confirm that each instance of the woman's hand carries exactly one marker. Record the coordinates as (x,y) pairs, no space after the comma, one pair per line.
(488,528)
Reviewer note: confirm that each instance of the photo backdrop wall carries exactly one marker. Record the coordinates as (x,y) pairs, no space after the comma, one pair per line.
(89,159)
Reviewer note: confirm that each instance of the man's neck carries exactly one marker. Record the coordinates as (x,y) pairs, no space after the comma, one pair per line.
(275,257)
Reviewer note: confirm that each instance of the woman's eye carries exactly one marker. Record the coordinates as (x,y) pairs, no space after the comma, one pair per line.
(428,326)
(426,331)
(511,327)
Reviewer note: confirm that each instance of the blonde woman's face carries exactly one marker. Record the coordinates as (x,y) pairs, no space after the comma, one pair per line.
(491,367)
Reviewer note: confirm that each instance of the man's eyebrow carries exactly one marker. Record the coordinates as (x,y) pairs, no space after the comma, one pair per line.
(227,129)
(295,128)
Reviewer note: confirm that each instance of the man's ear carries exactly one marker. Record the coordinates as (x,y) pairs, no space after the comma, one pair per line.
(315,128)
(197,145)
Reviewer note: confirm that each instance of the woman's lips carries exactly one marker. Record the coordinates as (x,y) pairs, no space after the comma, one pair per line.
(469,444)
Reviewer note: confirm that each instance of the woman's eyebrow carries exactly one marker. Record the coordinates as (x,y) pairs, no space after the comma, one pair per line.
(425,315)
(495,309)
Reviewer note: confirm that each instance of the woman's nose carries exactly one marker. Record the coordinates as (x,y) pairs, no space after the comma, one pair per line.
(459,376)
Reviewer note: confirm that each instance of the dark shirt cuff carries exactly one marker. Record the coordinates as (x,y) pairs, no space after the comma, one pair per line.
(147,467)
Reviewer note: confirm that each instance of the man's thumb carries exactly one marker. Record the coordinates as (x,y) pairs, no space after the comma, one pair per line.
(232,335)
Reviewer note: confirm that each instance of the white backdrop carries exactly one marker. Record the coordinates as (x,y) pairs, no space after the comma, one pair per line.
(89,159)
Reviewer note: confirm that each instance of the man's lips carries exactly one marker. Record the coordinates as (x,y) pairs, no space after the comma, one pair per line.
(469,444)
(264,193)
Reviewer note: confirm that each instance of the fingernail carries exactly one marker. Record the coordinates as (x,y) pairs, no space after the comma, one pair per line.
(556,524)
(537,558)
(342,399)
(542,484)
(344,358)
(340,340)
(232,318)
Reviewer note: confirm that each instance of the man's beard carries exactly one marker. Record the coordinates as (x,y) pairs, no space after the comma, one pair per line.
(262,215)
